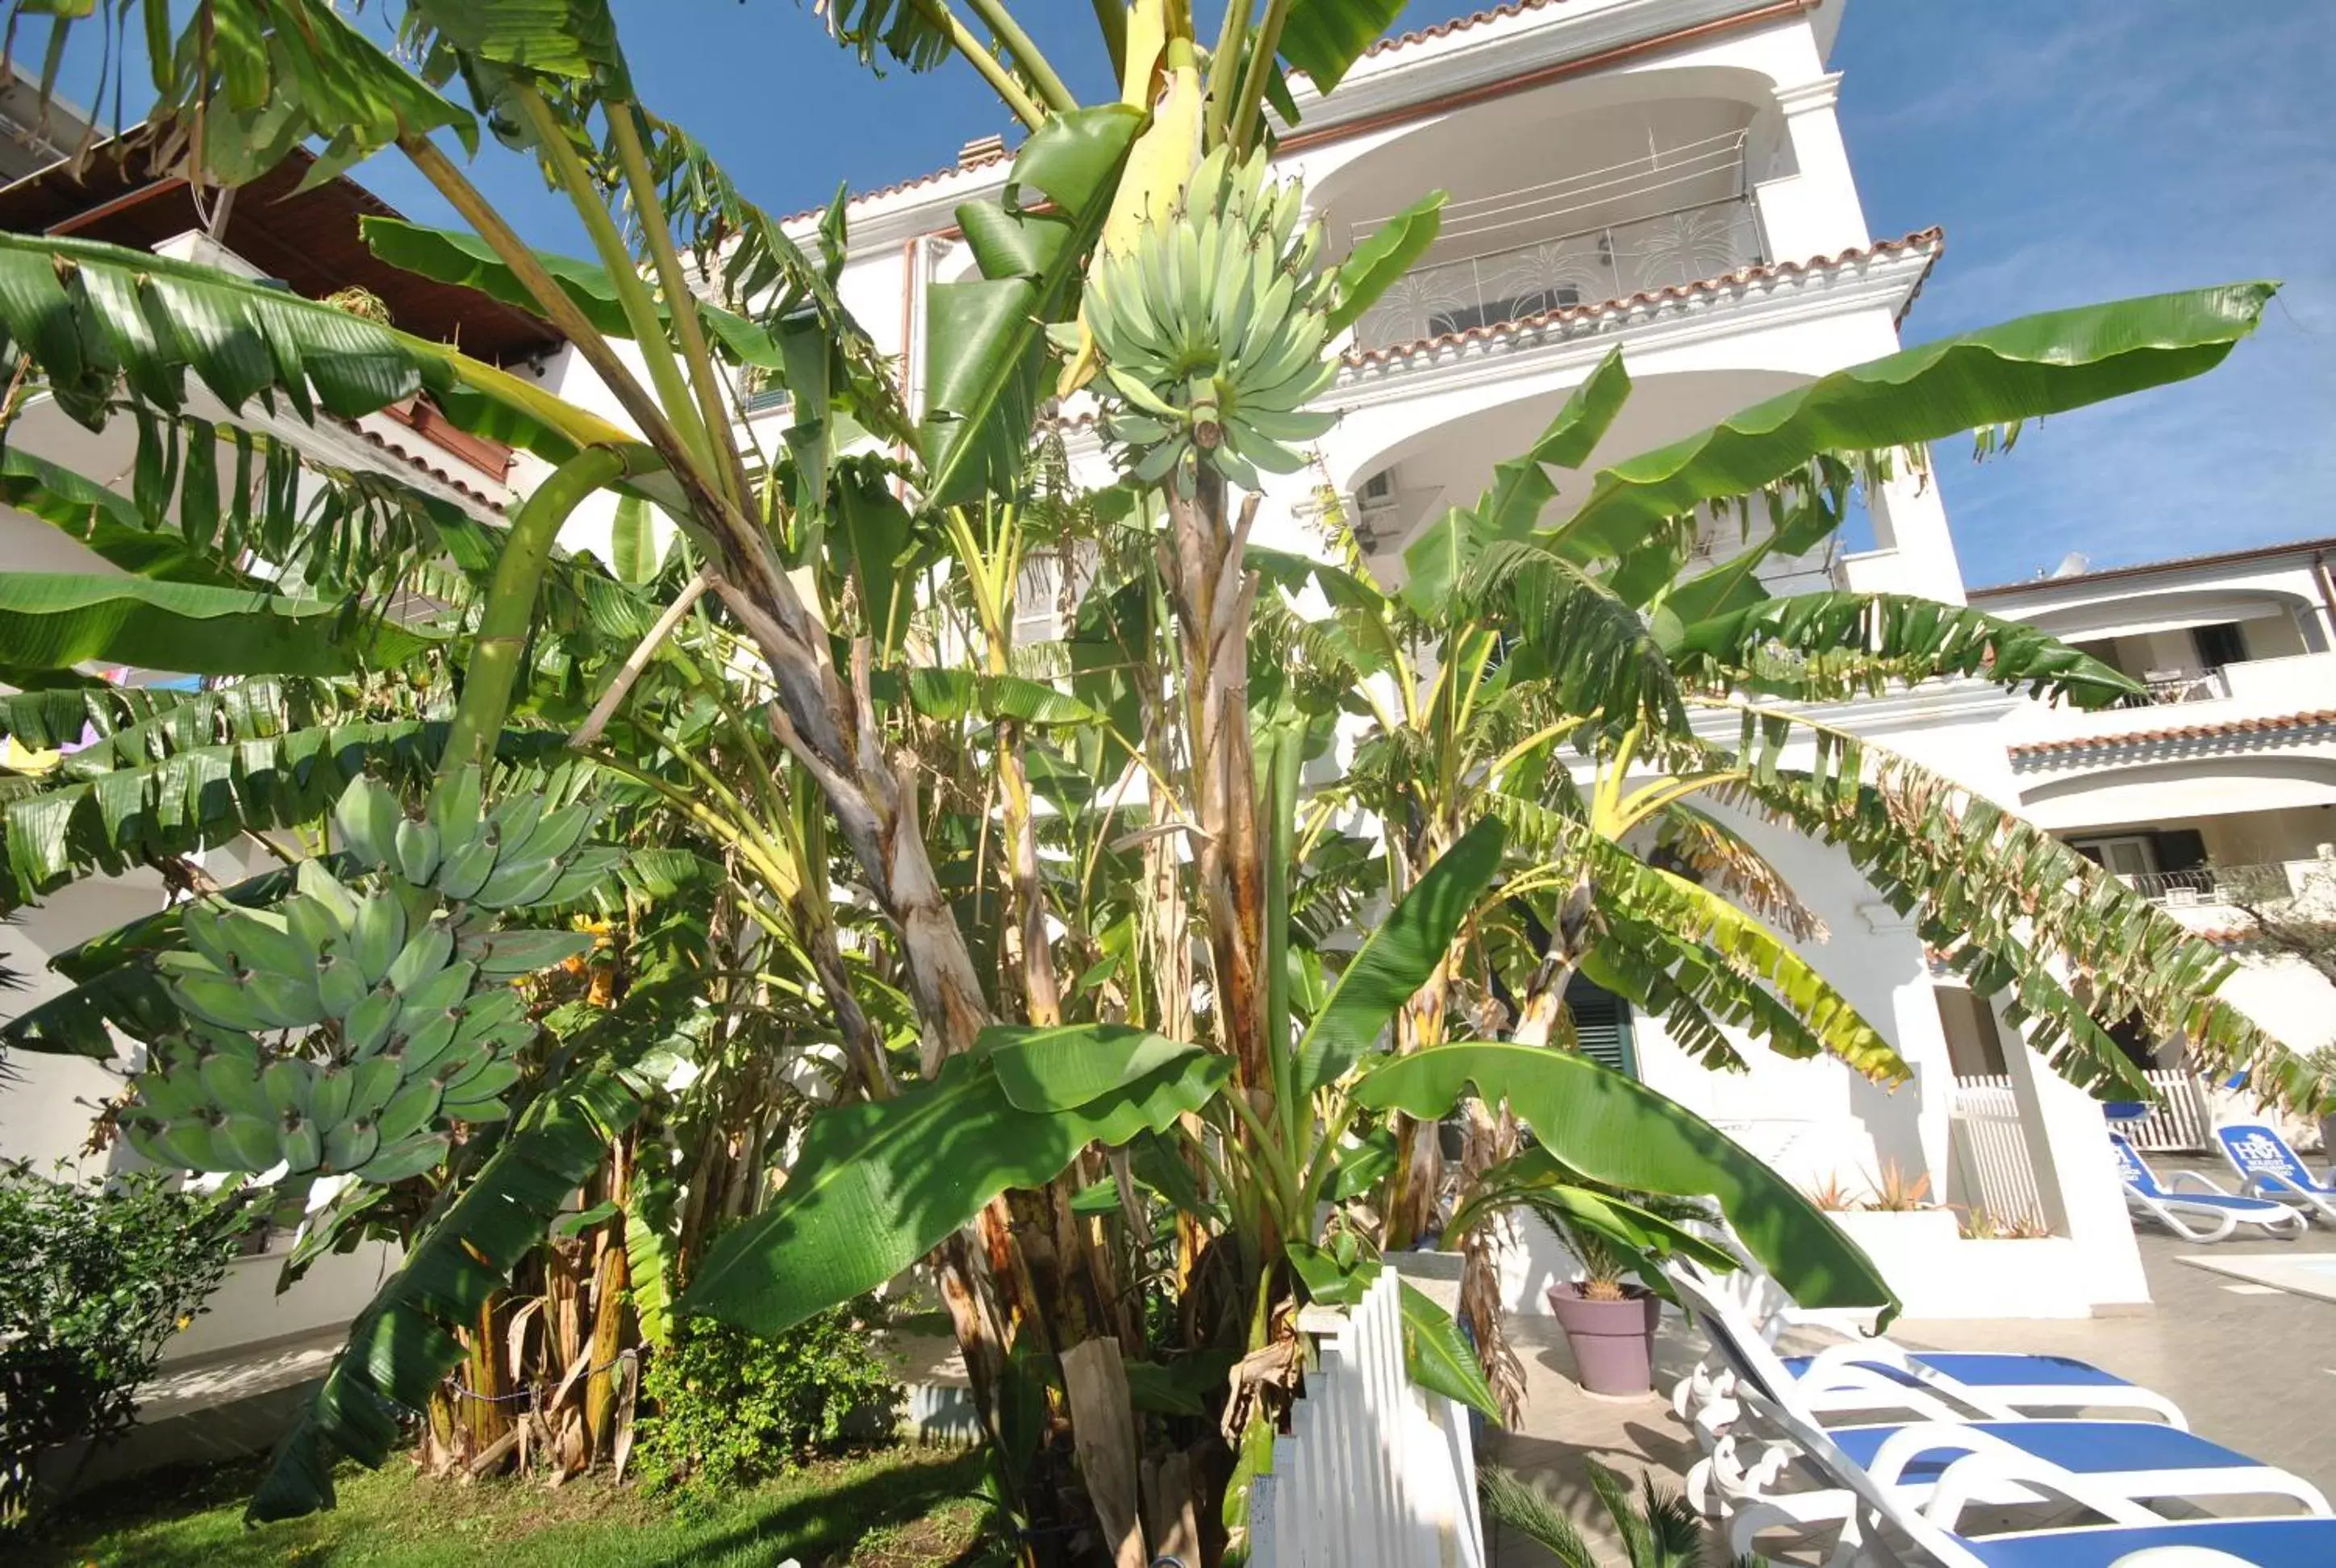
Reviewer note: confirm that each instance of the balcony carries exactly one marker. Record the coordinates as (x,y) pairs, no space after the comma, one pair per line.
(1586,267)
(2265,882)
(1669,217)
(2196,702)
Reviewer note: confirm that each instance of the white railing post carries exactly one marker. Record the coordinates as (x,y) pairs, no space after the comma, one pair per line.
(1374,1473)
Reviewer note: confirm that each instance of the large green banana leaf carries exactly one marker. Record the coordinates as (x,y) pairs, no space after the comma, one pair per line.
(1323,38)
(55,620)
(903,29)
(260,78)
(1397,956)
(1437,1355)
(1617,1131)
(2022,369)
(205,497)
(151,720)
(1598,654)
(955,694)
(986,349)
(1821,646)
(111,526)
(87,313)
(876,1186)
(404,1344)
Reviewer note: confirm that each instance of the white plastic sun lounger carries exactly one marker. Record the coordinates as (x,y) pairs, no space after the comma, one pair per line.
(1873,1376)
(2180,1210)
(2268,1168)
(1914,1484)
(2128,1459)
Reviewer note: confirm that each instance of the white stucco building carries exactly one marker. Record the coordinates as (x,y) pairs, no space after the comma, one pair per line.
(1670,176)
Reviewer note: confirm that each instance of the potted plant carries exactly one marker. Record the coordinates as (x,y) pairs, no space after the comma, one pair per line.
(1614,1234)
(1609,1321)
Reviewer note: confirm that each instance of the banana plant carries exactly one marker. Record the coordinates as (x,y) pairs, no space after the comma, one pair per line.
(1140,243)
(880,1184)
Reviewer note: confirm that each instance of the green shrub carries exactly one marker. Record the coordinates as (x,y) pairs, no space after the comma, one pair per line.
(730,1409)
(94,1278)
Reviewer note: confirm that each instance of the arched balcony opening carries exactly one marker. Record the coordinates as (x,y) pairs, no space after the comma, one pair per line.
(1563,197)
(1399,487)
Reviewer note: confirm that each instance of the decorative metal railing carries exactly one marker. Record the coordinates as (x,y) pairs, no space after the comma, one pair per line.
(2269,881)
(1613,261)
(2161,689)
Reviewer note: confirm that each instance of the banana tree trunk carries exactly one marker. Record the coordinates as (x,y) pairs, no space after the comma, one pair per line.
(1212,591)
(1028,949)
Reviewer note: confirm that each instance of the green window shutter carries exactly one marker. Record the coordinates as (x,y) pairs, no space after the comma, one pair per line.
(1601,1022)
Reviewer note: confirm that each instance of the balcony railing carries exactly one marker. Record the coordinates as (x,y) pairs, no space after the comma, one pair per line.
(1613,261)
(2268,882)
(2162,688)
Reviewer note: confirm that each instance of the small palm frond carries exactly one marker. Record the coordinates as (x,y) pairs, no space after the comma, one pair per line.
(1509,1499)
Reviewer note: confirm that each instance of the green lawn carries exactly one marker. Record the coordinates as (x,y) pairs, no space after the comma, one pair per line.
(904,1508)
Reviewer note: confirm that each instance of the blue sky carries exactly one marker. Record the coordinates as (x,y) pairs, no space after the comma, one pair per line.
(2078,150)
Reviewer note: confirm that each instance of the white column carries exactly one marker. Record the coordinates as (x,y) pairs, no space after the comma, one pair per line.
(1812,208)
(2068,1147)
(1915,552)
(1921,1037)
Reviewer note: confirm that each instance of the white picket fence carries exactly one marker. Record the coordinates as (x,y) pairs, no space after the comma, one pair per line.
(1991,1151)
(1374,1473)
(2180,1123)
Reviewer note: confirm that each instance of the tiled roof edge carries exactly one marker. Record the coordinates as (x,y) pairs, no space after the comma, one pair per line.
(1933,238)
(2312,719)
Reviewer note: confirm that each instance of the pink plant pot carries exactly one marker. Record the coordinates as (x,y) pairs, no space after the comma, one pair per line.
(1613,1342)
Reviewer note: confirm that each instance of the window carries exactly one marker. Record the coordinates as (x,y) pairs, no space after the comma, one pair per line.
(1601,1023)
(2220,644)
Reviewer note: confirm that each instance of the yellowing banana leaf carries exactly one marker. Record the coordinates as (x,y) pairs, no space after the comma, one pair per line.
(403,1343)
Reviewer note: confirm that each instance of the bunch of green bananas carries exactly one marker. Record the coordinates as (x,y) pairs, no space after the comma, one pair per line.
(391,1004)
(1210,327)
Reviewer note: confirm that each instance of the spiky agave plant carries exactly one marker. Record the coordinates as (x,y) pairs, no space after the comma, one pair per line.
(345,1029)
(1210,327)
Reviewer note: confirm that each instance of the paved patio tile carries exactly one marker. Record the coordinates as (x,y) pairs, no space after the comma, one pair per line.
(2256,1371)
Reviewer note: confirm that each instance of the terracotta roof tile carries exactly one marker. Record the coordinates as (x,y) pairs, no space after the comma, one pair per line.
(1457,24)
(2313,719)
(424,465)
(933,178)
(1933,239)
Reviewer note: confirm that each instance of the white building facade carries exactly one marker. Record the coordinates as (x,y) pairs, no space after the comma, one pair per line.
(1670,176)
